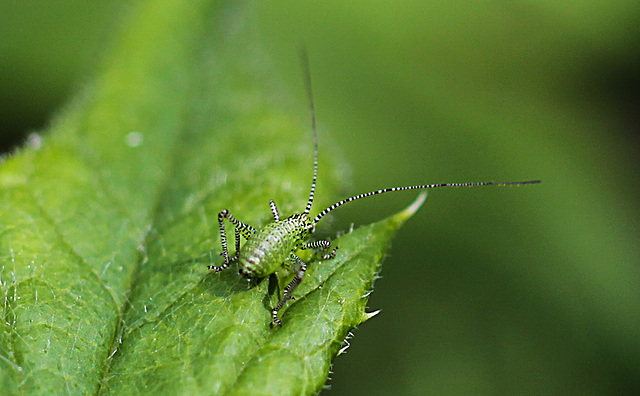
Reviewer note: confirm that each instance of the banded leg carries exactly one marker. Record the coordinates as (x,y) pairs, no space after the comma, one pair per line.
(274,210)
(288,291)
(322,244)
(239,228)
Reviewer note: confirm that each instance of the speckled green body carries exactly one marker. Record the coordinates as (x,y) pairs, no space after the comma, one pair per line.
(267,249)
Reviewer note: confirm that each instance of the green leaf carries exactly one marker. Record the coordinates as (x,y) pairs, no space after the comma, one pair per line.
(109,220)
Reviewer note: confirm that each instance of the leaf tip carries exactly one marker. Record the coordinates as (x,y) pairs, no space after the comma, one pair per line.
(415,205)
(410,210)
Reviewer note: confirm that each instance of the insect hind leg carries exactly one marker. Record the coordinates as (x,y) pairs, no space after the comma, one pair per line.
(321,244)
(239,228)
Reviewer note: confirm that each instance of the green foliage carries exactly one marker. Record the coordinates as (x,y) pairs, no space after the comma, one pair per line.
(511,290)
(109,220)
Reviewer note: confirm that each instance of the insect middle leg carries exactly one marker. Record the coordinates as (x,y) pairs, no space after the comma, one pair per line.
(288,291)
(302,269)
(321,244)
(239,228)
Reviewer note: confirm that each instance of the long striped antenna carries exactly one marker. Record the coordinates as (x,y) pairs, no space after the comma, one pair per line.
(304,57)
(386,190)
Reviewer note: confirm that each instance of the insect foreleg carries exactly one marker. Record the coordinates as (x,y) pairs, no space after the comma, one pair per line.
(239,228)
(322,244)
(288,291)
(274,210)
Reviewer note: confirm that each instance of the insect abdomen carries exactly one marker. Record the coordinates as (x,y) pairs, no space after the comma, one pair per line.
(268,248)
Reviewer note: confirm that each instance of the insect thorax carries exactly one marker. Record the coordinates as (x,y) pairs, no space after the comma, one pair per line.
(266,250)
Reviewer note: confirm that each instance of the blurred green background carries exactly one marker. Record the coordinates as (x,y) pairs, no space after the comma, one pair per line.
(486,291)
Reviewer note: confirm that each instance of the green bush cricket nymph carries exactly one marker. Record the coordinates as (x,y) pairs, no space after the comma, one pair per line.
(267,248)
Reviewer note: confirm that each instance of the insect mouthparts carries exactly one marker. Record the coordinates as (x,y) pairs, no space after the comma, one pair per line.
(245,274)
